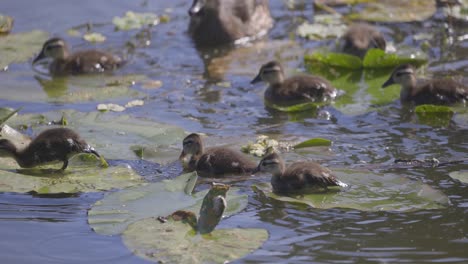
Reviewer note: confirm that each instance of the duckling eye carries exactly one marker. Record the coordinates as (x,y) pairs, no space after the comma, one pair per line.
(188,142)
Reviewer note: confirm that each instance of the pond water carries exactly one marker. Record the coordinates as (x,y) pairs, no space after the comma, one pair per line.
(214,97)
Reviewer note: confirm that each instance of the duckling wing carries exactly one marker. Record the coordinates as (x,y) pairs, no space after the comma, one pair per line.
(92,61)
(307,87)
(440,91)
(302,174)
(218,161)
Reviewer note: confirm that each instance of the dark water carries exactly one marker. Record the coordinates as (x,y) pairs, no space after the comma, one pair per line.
(194,96)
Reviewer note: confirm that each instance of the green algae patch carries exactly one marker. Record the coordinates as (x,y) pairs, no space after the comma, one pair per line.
(176,242)
(434,115)
(368,191)
(112,214)
(20,47)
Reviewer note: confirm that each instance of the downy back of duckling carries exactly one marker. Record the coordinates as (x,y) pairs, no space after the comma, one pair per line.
(297,89)
(361,37)
(435,91)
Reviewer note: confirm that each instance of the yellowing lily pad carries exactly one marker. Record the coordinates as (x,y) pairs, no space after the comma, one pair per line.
(395,11)
(133,20)
(20,47)
(370,192)
(176,242)
(460,175)
(116,211)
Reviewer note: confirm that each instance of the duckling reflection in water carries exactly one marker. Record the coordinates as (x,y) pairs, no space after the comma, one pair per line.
(217,22)
(296,89)
(81,62)
(52,145)
(299,176)
(216,161)
(434,91)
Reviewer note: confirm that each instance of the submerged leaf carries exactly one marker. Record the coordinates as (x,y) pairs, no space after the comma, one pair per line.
(314,142)
(313,107)
(116,211)
(20,47)
(176,242)
(370,192)
(435,115)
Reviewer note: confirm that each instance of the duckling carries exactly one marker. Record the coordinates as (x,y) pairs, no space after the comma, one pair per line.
(216,161)
(298,176)
(297,89)
(361,37)
(52,145)
(81,62)
(435,91)
(217,22)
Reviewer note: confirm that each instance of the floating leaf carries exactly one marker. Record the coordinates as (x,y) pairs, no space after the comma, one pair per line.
(314,142)
(94,37)
(212,208)
(133,20)
(370,192)
(134,103)
(460,175)
(6,24)
(324,27)
(435,115)
(4,117)
(116,211)
(110,107)
(20,47)
(395,11)
(176,242)
(335,59)
(377,58)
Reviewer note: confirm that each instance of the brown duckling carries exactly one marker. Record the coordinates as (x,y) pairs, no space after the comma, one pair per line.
(217,22)
(81,62)
(52,145)
(296,89)
(435,91)
(298,176)
(361,37)
(216,161)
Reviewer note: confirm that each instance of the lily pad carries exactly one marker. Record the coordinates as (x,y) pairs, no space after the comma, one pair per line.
(176,242)
(94,37)
(435,115)
(20,47)
(460,175)
(113,135)
(6,24)
(116,211)
(133,20)
(314,142)
(312,107)
(370,192)
(395,11)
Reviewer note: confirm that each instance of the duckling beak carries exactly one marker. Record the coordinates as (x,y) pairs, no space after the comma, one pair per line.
(388,82)
(257,169)
(92,151)
(257,79)
(196,7)
(39,57)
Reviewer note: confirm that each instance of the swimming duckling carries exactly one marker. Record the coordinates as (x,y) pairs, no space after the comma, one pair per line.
(298,176)
(216,161)
(217,22)
(435,91)
(297,89)
(361,37)
(52,145)
(81,62)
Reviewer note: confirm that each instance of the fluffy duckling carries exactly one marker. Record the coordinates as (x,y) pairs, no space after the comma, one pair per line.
(296,89)
(217,22)
(435,91)
(52,145)
(361,37)
(214,162)
(298,176)
(81,62)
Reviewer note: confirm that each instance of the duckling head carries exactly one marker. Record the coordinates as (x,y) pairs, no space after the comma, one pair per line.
(271,163)
(54,48)
(200,6)
(191,145)
(271,72)
(403,75)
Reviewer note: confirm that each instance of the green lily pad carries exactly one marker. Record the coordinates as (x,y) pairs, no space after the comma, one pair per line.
(116,211)
(20,47)
(460,175)
(6,24)
(112,135)
(395,11)
(176,242)
(435,115)
(314,142)
(335,59)
(370,192)
(133,20)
